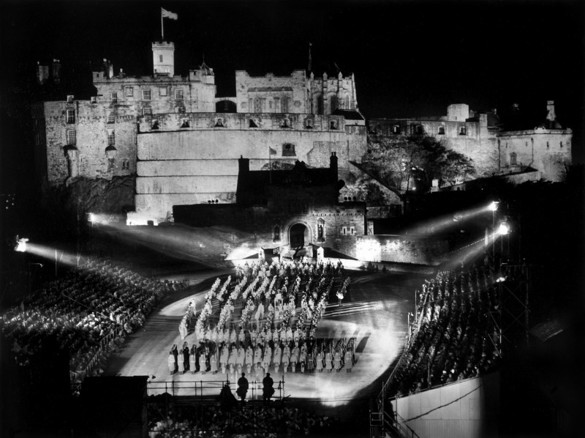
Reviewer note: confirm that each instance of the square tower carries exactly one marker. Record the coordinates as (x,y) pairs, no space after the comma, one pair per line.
(163,58)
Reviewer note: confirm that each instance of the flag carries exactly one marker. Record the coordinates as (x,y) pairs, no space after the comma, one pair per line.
(271,151)
(168,14)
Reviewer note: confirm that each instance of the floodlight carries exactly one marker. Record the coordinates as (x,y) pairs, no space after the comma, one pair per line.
(503,229)
(21,244)
(493,206)
(91,218)
(500,279)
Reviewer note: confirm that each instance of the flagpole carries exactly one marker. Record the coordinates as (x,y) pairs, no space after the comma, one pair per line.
(162,27)
(269,164)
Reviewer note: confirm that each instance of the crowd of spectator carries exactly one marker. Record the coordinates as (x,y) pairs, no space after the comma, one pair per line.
(211,421)
(455,334)
(265,317)
(87,313)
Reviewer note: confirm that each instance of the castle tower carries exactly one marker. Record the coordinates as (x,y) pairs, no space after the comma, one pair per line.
(163,58)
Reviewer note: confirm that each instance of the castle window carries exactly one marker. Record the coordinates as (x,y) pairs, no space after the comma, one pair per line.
(513,159)
(147,111)
(343,231)
(561,144)
(70,134)
(185,123)
(288,150)
(276,233)
(154,125)
(70,116)
(114,96)
(179,94)
(93,99)
(547,145)
(285,101)
(333,103)
(252,123)
(111,138)
(125,164)
(309,124)
(463,130)
(441,130)
(111,118)
(333,124)
(69,98)
(352,231)
(129,91)
(219,123)
(285,123)
(396,129)
(160,58)
(146,95)
(181,109)
(163,91)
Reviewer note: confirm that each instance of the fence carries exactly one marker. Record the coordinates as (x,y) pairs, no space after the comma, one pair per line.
(207,389)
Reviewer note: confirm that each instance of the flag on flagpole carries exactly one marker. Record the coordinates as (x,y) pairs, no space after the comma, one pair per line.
(168,14)
(271,151)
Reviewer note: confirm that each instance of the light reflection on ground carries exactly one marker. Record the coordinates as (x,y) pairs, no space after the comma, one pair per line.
(376,318)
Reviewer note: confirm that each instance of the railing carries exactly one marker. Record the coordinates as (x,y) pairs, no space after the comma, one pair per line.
(206,389)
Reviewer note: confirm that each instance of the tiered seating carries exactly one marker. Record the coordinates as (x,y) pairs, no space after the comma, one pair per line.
(456,337)
(87,312)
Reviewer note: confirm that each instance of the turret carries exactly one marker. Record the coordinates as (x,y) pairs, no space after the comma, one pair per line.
(163,58)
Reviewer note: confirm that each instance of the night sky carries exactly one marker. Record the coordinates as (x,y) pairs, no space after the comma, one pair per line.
(410,58)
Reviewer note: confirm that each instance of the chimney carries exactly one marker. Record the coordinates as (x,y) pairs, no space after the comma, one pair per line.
(550,108)
(56,71)
(243,164)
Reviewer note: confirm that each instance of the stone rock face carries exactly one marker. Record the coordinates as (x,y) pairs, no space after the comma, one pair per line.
(115,196)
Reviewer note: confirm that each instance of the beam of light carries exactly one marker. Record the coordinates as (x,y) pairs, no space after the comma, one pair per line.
(445,222)
(204,245)
(53,254)
(105,219)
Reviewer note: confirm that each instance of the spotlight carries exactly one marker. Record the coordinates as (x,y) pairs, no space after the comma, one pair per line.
(21,244)
(500,279)
(493,206)
(503,229)
(91,218)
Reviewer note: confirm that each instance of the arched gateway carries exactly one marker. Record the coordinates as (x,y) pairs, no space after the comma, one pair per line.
(298,236)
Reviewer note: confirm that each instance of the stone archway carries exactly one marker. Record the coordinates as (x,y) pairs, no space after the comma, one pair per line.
(298,235)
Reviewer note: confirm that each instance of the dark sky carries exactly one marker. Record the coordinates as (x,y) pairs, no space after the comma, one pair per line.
(410,58)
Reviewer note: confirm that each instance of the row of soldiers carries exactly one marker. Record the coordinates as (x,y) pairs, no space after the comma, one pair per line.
(283,357)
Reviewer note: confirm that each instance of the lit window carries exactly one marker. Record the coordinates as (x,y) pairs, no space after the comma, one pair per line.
(343,231)
(111,138)
(70,116)
(129,91)
(162,91)
(288,150)
(396,129)
(179,94)
(352,230)
(71,137)
(146,95)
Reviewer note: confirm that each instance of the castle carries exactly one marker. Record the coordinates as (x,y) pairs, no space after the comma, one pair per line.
(182,142)
(169,131)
